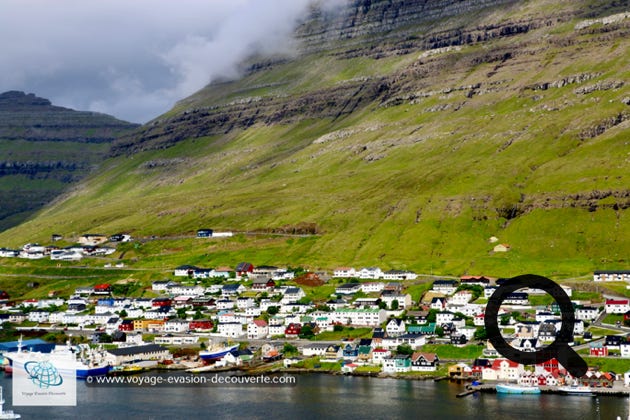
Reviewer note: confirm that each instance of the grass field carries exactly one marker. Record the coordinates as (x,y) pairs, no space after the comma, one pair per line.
(417,174)
(450,352)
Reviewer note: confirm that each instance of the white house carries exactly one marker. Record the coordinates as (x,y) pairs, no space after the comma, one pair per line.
(176,326)
(184,270)
(461,298)
(372,287)
(438,303)
(399,275)
(314,349)
(360,317)
(344,272)
(448,287)
(276,330)
(612,275)
(404,301)
(395,327)
(502,370)
(231,329)
(617,306)
(258,329)
(378,355)
(292,295)
(586,313)
(38,316)
(373,273)
(445,317)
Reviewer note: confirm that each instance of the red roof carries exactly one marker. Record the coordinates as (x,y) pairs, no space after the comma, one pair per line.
(260,322)
(616,301)
(496,364)
(102,286)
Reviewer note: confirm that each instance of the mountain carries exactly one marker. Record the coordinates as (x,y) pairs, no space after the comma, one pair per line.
(45,149)
(403,134)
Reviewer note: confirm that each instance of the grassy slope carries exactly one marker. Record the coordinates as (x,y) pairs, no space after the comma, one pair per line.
(452,168)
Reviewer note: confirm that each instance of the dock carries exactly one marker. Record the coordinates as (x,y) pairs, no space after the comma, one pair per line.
(491,388)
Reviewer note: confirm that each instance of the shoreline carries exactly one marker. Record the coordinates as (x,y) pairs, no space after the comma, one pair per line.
(615,391)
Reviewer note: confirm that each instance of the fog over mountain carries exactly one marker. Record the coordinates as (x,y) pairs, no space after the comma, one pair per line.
(135,59)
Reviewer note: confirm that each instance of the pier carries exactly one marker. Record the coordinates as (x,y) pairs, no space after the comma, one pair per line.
(616,391)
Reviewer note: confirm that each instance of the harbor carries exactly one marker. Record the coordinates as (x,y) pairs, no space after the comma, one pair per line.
(615,391)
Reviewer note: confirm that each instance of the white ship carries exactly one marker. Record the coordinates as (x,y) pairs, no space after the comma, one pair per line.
(68,359)
(576,390)
(6,414)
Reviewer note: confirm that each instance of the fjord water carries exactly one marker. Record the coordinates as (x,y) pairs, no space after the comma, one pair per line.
(321,396)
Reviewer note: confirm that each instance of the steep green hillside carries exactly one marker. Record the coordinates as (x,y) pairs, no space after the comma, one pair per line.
(44,149)
(404,136)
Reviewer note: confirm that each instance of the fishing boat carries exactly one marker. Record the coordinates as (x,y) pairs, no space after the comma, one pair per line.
(214,353)
(6,414)
(517,389)
(80,360)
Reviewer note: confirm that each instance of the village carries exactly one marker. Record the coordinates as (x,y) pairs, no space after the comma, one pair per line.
(368,325)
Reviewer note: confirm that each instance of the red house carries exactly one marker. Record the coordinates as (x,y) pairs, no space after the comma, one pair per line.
(264,285)
(161,302)
(200,324)
(599,351)
(102,289)
(126,325)
(626,316)
(4,295)
(243,269)
(293,330)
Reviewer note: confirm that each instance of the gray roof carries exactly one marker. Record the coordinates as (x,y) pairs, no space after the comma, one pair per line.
(129,351)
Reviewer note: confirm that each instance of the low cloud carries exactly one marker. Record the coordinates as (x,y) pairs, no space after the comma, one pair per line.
(135,59)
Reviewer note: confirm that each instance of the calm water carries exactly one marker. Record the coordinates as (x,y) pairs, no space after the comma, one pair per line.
(321,396)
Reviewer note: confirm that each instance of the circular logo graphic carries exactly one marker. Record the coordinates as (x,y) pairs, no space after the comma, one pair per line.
(559,349)
(43,374)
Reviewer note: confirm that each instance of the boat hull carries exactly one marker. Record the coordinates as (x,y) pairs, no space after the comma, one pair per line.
(516,389)
(81,372)
(213,355)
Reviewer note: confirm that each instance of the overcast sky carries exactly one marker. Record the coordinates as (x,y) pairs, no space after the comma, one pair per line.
(134,58)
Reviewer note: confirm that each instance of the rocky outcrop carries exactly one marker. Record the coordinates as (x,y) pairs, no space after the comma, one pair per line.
(46,148)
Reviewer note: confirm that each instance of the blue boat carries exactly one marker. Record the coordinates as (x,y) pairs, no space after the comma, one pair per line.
(517,389)
(217,353)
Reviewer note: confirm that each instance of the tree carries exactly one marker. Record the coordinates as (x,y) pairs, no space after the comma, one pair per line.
(476,290)
(289,349)
(304,301)
(338,328)
(272,310)
(181,313)
(431,317)
(382,305)
(481,334)
(123,314)
(395,305)
(306,332)
(505,319)
(404,349)
(439,331)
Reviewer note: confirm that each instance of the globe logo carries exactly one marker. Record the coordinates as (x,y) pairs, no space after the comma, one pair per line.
(43,374)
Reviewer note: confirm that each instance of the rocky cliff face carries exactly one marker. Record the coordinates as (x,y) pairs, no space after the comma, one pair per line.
(377,30)
(45,148)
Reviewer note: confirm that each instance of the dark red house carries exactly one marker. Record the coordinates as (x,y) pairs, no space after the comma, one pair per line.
(126,325)
(161,302)
(4,295)
(244,268)
(293,330)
